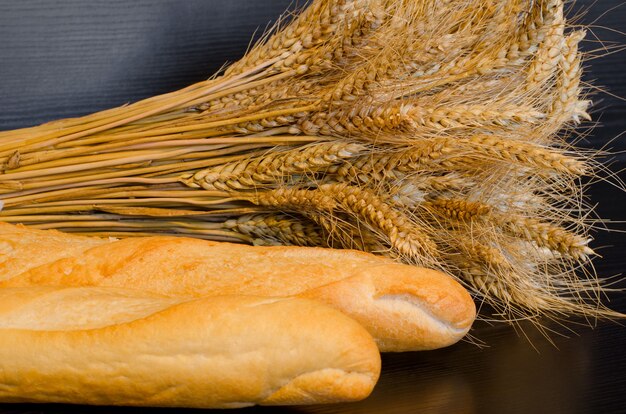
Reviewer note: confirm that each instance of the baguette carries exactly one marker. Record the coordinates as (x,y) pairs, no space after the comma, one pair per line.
(108,346)
(22,248)
(404,307)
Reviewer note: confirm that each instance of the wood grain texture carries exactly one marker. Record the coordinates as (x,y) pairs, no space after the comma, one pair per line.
(70,57)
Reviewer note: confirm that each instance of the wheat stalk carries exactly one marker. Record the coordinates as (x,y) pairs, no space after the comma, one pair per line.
(433,132)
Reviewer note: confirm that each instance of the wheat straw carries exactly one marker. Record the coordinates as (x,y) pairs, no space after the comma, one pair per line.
(432,132)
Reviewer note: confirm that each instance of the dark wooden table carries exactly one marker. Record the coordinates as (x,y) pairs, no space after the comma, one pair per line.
(71,57)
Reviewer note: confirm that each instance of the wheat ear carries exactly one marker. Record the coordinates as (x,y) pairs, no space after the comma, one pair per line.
(397,230)
(278,229)
(275,167)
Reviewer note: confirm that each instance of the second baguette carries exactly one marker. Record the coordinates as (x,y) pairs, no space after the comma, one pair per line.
(109,346)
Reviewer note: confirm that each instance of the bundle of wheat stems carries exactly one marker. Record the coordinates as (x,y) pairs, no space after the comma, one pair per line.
(432,131)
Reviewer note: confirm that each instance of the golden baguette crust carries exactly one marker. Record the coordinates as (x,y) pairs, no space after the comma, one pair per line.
(180,266)
(148,350)
(404,307)
(22,248)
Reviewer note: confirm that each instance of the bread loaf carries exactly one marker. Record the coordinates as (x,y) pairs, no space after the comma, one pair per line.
(111,346)
(404,307)
(22,248)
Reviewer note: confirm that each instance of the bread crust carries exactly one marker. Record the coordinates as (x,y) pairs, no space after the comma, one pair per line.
(404,307)
(149,350)
(23,248)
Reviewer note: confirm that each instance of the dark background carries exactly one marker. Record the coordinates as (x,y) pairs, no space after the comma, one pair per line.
(72,57)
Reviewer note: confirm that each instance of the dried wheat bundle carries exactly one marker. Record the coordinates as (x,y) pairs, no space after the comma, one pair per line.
(435,132)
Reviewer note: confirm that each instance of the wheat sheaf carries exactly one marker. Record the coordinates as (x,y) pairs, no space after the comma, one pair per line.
(435,132)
